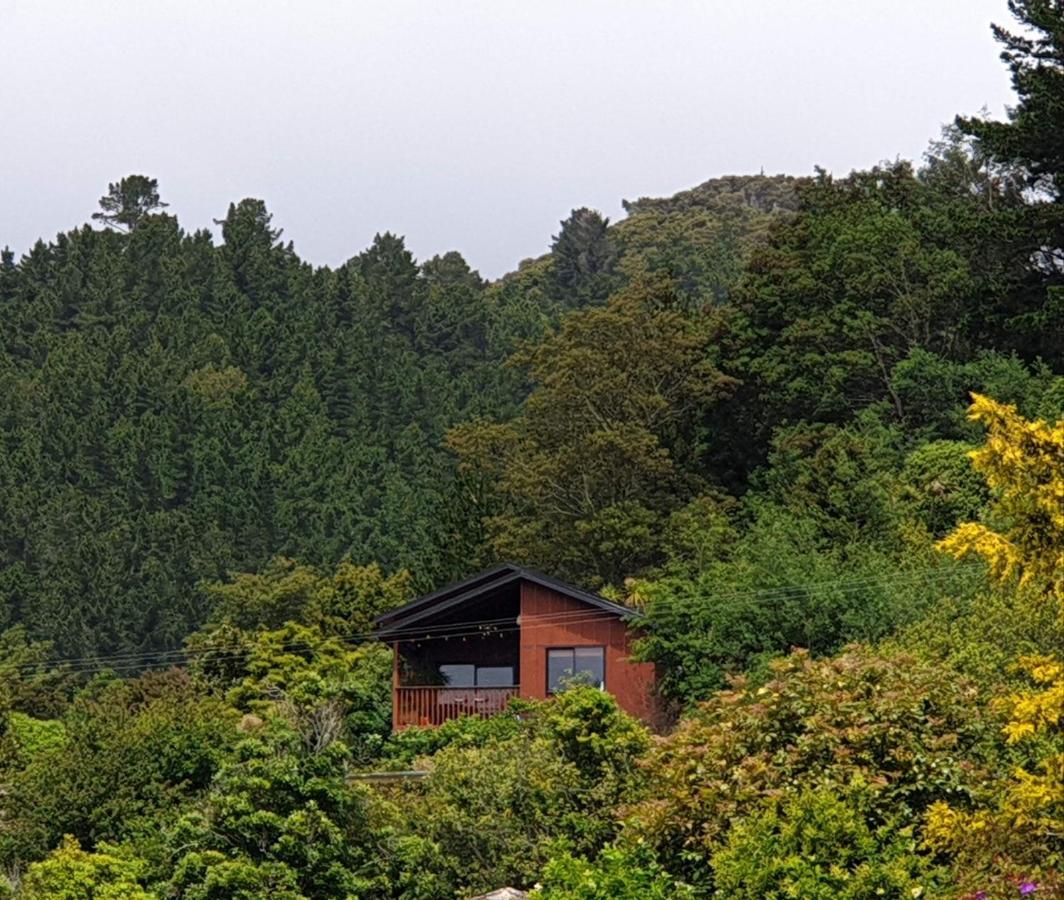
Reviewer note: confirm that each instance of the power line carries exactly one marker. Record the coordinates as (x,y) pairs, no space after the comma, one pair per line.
(124,662)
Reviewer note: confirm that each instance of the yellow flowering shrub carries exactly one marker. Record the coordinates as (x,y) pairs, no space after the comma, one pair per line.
(1021,836)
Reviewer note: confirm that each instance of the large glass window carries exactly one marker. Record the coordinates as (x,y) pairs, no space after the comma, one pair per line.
(460,675)
(495,676)
(575,665)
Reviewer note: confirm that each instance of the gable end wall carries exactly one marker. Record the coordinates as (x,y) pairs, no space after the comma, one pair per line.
(551,619)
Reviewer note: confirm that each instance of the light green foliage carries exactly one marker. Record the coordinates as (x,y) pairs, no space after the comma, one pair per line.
(211,876)
(495,813)
(617,872)
(324,686)
(292,641)
(70,873)
(936,391)
(698,535)
(589,730)
(820,844)
(983,636)
(36,736)
(831,546)
(403,747)
(343,602)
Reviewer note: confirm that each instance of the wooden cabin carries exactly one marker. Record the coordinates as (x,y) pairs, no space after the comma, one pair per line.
(469,648)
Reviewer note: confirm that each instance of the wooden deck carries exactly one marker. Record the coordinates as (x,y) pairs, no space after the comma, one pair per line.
(434,705)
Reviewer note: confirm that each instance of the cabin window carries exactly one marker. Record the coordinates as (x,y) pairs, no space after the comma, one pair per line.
(575,665)
(458,675)
(495,676)
(468,675)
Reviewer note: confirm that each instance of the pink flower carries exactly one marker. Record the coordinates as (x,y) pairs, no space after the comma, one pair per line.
(1027,887)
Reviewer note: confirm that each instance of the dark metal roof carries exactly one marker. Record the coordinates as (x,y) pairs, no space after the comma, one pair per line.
(483,582)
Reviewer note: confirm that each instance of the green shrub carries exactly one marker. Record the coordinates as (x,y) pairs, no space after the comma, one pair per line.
(820,844)
(403,747)
(614,874)
(913,733)
(70,873)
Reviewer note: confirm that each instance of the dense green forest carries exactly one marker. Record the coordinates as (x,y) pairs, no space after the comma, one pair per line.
(812,426)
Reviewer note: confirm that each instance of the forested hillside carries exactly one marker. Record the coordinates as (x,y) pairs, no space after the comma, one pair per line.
(175,409)
(813,427)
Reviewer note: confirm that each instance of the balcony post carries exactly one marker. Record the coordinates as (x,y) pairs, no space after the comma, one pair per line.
(395,685)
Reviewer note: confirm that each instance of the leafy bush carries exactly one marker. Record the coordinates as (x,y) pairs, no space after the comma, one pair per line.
(941,487)
(616,872)
(403,747)
(35,736)
(821,844)
(70,873)
(316,680)
(506,796)
(911,732)
(133,750)
(278,819)
(342,602)
(783,586)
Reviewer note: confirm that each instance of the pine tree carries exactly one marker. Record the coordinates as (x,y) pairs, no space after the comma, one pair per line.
(583,259)
(128,201)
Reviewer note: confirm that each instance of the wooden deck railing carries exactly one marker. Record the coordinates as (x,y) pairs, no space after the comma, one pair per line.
(435,705)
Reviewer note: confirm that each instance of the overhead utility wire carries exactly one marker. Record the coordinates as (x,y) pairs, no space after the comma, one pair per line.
(136,661)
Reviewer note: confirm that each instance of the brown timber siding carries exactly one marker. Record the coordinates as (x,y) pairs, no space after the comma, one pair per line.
(579,624)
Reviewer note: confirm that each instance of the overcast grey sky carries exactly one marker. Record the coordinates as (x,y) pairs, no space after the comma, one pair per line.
(462,125)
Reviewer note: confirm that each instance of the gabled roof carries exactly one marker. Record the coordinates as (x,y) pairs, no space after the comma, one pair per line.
(482,583)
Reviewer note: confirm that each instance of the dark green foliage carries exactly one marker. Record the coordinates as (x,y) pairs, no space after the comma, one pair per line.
(173,410)
(501,801)
(583,259)
(1031,137)
(875,266)
(605,446)
(1030,143)
(701,238)
(278,820)
(129,201)
(742,409)
(131,750)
